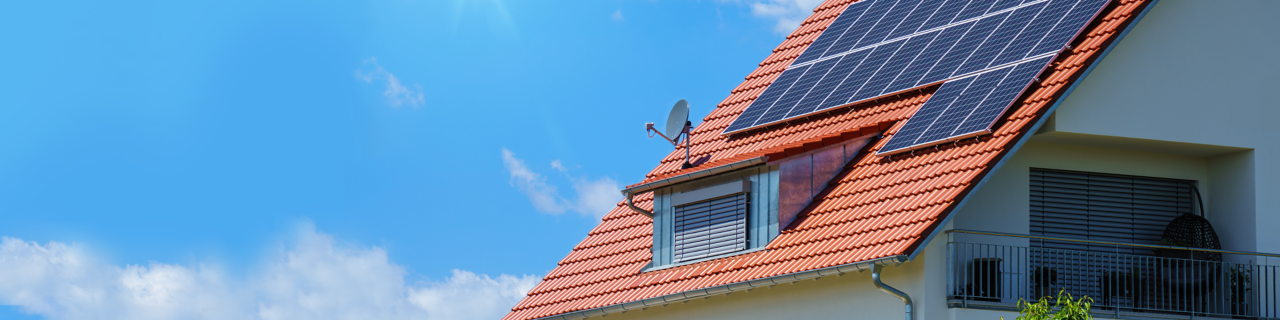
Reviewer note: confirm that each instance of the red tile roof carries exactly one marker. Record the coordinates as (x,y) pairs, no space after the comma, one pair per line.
(876,207)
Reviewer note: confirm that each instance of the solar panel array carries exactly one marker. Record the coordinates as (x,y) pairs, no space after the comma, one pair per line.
(881,47)
(966,107)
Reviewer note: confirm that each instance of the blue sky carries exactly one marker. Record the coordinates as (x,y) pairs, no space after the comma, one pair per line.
(221,159)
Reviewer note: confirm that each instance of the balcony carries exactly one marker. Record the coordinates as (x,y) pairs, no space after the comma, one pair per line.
(1175,283)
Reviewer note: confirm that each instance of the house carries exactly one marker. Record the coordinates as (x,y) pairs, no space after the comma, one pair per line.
(1098,180)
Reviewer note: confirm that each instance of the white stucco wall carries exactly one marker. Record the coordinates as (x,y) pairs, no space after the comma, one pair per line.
(1195,77)
(851,296)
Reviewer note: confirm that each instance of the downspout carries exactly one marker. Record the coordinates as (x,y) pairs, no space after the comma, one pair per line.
(635,208)
(875,278)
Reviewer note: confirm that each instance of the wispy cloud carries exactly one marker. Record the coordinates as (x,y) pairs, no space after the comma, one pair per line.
(788,14)
(593,197)
(396,93)
(617,16)
(313,277)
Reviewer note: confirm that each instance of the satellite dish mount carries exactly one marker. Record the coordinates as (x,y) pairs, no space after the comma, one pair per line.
(677,124)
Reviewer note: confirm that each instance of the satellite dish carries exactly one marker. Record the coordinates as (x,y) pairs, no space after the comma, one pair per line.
(677,124)
(677,119)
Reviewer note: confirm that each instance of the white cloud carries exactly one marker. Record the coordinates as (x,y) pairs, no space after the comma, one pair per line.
(555,164)
(594,197)
(787,13)
(466,292)
(314,277)
(396,92)
(617,16)
(544,196)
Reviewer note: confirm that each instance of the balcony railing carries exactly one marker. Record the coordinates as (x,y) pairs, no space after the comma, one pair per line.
(1176,284)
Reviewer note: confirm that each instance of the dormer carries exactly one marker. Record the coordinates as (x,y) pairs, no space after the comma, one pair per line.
(702,214)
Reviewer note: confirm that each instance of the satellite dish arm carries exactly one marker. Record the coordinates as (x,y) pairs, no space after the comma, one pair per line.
(675,142)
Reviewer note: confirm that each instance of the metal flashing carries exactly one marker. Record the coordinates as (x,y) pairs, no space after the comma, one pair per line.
(694,175)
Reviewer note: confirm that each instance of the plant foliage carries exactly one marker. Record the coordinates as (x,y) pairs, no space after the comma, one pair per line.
(1067,307)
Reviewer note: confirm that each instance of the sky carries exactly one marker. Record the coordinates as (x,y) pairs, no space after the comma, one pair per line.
(376,159)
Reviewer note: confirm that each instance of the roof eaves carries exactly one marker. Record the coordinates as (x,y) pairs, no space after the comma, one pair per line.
(729,288)
(1030,132)
(694,175)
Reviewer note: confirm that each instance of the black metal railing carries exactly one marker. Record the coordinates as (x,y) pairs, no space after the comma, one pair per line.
(1175,282)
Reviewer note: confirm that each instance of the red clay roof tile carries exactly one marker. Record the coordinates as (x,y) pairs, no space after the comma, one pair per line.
(876,207)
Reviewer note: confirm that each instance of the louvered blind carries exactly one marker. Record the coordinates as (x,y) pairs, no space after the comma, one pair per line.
(711,227)
(1104,207)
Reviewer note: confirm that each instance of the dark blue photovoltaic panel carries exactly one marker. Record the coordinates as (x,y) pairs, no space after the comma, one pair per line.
(842,23)
(1000,38)
(762,103)
(891,69)
(915,48)
(797,91)
(917,18)
(1021,46)
(995,104)
(1070,26)
(1004,4)
(955,114)
(840,92)
(929,44)
(929,112)
(828,83)
(951,61)
(859,76)
(944,14)
(911,77)
(887,23)
(974,9)
(860,28)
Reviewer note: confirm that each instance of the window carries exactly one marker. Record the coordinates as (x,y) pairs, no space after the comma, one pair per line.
(710,227)
(738,211)
(726,214)
(1104,207)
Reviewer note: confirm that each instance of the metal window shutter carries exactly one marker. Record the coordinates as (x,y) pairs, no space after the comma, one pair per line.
(708,228)
(1104,207)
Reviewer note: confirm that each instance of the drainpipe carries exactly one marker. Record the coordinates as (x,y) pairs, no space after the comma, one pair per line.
(875,278)
(637,209)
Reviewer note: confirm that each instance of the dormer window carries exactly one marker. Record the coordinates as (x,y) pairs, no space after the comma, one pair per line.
(723,214)
(739,207)
(710,221)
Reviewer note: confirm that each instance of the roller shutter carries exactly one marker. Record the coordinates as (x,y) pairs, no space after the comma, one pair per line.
(1104,207)
(711,227)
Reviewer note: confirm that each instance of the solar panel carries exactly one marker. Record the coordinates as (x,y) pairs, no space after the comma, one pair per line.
(928,113)
(967,106)
(917,18)
(798,90)
(842,23)
(878,47)
(1000,38)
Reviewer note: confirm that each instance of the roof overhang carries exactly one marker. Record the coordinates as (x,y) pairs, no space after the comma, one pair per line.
(694,175)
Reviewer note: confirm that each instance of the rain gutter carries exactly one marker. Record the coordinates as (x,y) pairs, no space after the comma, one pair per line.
(732,287)
(875,278)
(629,192)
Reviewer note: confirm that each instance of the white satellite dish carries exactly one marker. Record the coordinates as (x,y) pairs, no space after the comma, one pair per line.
(677,120)
(677,124)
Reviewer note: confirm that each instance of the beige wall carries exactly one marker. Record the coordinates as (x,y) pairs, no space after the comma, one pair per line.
(851,296)
(1195,78)
(1004,203)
